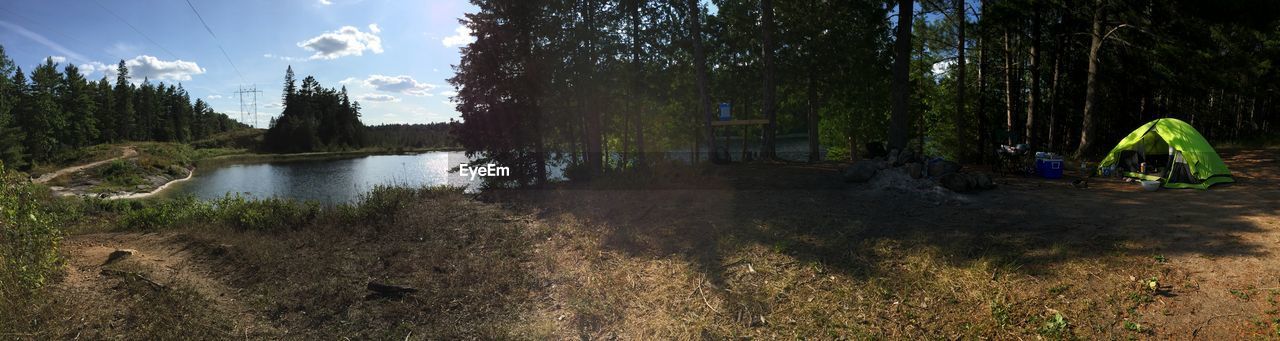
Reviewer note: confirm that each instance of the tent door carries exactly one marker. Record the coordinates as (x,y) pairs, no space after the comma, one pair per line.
(1179,171)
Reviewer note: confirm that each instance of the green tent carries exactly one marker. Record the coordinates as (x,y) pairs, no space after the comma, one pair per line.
(1183,158)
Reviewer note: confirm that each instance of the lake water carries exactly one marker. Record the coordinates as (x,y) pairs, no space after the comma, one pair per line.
(326,181)
(345,180)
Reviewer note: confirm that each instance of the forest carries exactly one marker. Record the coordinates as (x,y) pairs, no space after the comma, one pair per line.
(51,113)
(605,84)
(430,135)
(314,118)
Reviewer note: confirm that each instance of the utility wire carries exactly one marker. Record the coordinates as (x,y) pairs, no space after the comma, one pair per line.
(135,29)
(215,40)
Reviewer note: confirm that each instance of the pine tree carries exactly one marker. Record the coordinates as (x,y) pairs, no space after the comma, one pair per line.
(77,102)
(11,137)
(42,117)
(124,115)
(105,103)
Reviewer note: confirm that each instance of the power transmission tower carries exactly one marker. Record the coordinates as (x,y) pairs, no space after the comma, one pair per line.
(254,102)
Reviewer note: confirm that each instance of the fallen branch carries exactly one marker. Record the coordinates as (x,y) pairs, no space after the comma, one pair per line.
(118,273)
(704,298)
(1206,323)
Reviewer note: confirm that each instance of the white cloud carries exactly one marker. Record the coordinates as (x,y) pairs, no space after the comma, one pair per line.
(92,67)
(401,84)
(284,58)
(449,93)
(58,59)
(378,98)
(461,36)
(347,80)
(346,41)
(213,96)
(374,28)
(326,2)
(145,66)
(148,67)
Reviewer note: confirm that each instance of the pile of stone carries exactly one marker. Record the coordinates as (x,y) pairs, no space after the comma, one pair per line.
(926,171)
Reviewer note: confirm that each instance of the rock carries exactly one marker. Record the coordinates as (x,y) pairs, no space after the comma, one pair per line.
(915,170)
(140,187)
(861,171)
(118,255)
(955,181)
(892,158)
(904,157)
(985,181)
(962,182)
(942,168)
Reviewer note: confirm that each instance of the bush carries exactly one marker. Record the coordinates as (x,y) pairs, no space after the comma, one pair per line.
(164,214)
(264,214)
(384,202)
(28,240)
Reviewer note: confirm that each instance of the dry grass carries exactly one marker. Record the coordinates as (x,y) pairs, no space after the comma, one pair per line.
(767,252)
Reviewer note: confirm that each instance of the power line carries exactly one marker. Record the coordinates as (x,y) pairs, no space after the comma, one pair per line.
(135,29)
(243,112)
(215,40)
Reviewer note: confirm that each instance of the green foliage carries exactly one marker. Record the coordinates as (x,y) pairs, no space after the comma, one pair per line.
(121,173)
(164,214)
(315,118)
(1056,328)
(433,135)
(271,214)
(58,113)
(29,238)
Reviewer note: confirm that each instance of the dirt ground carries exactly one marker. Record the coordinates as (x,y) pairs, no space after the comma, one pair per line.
(763,251)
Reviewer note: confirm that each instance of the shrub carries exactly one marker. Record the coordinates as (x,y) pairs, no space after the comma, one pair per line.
(383,202)
(264,214)
(28,237)
(163,214)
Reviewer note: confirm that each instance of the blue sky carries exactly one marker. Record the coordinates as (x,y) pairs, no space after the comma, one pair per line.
(393,56)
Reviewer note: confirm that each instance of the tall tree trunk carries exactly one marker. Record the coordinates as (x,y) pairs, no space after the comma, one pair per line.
(770,89)
(901,77)
(700,69)
(1091,83)
(1008,91)
(812,101)
(1033,98)
(984,133)
(637,84)
(1053,97)
(961,85)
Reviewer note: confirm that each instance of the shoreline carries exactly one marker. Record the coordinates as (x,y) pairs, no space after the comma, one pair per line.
(140,195)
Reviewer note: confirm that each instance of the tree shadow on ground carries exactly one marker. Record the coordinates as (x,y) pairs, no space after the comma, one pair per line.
(809,213)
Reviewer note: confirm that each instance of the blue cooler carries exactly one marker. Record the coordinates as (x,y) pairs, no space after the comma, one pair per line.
(1049,169)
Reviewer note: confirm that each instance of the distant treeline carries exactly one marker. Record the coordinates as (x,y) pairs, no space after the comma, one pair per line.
(57,112)
(431,135)
(314,118)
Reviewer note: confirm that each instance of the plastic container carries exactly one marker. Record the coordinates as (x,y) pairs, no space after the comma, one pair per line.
(1151,185)
(1049,169)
